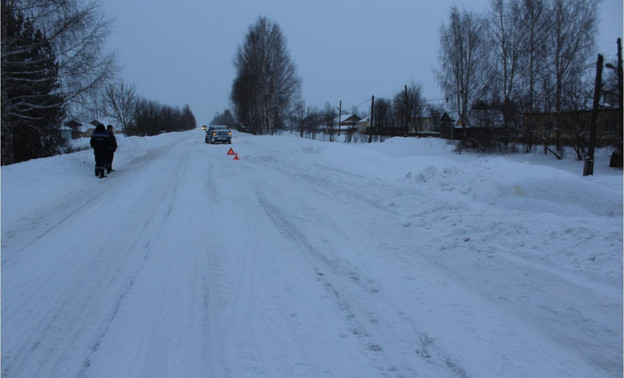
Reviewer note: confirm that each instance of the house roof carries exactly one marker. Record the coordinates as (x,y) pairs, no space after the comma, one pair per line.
(73,123)
(347,118)
(446,118)
(365,119)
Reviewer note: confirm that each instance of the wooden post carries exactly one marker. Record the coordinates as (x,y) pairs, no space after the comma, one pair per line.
(619,72)
(589,160)
(372,119)
(406,112)
(339,116)
(616,156)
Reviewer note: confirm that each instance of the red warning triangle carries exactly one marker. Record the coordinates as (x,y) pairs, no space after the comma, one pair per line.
(236,157)
(231,152)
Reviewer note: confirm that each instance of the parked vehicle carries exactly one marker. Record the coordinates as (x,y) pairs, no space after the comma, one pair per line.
(218,133)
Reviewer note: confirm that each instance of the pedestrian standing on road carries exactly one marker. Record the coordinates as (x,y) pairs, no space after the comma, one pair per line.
(112,147)
(100,142)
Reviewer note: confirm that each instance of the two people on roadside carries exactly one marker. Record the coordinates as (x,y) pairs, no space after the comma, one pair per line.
(104,146)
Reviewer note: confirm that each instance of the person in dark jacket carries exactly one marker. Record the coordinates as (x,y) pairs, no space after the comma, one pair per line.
(112,147)
(100,142)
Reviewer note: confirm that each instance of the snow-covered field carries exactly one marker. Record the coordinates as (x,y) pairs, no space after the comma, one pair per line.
(310,259)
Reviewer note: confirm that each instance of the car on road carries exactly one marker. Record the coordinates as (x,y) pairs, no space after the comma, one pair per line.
(218,133)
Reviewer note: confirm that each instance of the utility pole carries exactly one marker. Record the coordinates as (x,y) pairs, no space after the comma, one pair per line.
(616,156)
(406,112)
(589,160)
(619,72)
(621,99)
(372,120)
(339,116)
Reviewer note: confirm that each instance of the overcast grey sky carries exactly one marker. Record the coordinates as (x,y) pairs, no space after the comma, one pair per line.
(182,52)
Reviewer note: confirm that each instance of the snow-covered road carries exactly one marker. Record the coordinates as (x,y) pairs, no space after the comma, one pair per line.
(297,261)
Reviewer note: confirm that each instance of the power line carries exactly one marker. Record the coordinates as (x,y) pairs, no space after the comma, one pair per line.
(363,102)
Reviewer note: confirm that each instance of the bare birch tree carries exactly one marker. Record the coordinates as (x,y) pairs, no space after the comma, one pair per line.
(534,18)
(507,40)
(570,42)
(462,61)
(266,86)
(120,101)
(571,39)
(408,107)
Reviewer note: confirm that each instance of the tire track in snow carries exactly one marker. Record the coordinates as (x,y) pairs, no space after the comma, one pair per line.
(178,290)
(139,244)
(63,330)
(52,216)
(350,285)
(339,279)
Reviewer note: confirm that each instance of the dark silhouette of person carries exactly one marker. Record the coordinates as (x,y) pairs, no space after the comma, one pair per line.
(112,147)
(100,142)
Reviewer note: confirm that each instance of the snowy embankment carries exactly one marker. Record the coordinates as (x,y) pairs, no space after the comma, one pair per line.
(309,259)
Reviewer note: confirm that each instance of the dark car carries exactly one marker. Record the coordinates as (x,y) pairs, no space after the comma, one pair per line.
(219,133)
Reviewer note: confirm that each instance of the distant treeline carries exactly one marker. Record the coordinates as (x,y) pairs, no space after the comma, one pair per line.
(152,118)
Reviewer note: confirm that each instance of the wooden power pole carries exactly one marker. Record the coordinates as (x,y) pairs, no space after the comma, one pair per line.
(339,117)
(372,120)
(589,160)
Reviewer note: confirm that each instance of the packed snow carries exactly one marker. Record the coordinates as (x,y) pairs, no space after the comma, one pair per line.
(308,258)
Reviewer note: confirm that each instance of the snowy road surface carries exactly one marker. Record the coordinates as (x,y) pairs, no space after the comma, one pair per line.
(308,259)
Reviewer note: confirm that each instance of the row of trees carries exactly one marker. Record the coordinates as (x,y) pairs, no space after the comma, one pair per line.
(55,67)
(399,115)
(266,93)
(523,56)
(142,117)
(518,57)
(153,118)
(225,118)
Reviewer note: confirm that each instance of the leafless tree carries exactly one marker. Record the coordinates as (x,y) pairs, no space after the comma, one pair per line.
(383,113)
(224,118)
(570,43)
(153,118)
(534,84)
(507,40)
(408,106)
(121,101)
(538,55)
(571,39)
(435,112)
(535,25)
(462,60)
(312,121)
(578,123)
(77,32)
(329,115)
(266,86)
